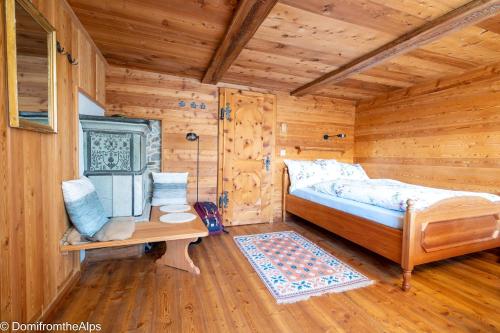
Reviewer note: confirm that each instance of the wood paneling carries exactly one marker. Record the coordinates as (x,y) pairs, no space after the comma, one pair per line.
(33,219)
(443,133)
(175,36)
(298,42)
(246,20)
(148,95)
(32,83)
(466,15)
(303,40)
(86,65)
(100,80)
(457,295)
(306,120)
(136,93)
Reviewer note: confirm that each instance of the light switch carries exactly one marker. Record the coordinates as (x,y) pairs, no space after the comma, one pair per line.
(284,128)
(283,152)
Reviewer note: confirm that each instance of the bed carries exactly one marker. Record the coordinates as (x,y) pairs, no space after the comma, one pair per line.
(448,228)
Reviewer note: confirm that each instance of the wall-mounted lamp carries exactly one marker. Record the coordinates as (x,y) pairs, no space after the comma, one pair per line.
(195,137)
(340,136)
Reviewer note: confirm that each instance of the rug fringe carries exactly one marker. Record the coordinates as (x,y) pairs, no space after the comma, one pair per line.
(323,292)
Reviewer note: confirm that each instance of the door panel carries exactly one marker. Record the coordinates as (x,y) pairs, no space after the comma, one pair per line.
(246,139)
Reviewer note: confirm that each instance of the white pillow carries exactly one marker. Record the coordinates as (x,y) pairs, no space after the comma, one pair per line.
(84,208)
(178,200)
(303,174)
(330,169)
(169,188)
(352,171)
(170,177)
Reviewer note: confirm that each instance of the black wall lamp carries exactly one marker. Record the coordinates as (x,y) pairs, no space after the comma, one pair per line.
(340,136)
(195,137)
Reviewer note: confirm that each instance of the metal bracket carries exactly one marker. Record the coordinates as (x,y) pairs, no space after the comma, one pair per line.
(225,112)
(223,200)
(267,163)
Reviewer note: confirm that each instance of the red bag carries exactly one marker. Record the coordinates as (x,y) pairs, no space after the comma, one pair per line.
(209,214)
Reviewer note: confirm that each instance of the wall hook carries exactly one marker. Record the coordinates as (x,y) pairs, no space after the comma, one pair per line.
(60,49)
(72,60)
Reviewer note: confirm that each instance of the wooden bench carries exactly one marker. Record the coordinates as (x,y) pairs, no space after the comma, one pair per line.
(178,237)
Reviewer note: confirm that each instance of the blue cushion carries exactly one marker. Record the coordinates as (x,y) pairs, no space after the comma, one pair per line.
(83,206)
(169,188)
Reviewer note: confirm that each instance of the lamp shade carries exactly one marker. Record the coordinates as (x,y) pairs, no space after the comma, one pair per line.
(192,136)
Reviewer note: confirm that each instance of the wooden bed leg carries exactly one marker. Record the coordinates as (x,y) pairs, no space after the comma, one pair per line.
(406,280)
(177,256)
(408,246)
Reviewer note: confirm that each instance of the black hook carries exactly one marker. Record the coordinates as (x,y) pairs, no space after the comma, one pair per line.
(60,49)
(72,60)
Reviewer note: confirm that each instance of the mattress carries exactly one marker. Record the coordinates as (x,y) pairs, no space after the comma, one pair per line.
(387,217)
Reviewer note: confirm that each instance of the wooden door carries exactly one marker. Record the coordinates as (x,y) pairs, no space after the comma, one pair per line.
(246,152)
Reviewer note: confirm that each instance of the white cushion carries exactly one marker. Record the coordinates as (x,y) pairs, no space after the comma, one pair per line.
(303,173)
(83,206)
(169,200)
(170,177)
(76,189)
(169,188)
(352,171)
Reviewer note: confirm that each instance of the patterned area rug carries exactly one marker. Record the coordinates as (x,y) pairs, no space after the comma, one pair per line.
(294,269)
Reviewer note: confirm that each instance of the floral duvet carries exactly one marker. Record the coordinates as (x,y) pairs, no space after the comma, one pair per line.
(391,194)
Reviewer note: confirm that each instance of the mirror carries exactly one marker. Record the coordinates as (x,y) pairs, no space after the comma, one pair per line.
(31,67)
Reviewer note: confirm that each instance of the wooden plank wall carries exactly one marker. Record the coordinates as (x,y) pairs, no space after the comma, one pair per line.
(444,133)
(141,94)
(33,273)
(136,93)
(307,119)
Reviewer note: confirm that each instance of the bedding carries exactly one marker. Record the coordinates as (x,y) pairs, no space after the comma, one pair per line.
(387,217)
(304,174)
(307,173)
(347,170)
(391,194)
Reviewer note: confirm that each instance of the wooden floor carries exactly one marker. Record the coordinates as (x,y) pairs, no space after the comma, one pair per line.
(458,295)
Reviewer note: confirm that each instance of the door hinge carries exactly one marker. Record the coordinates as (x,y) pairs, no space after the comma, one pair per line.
(267,163)
(225,112)
(223,200)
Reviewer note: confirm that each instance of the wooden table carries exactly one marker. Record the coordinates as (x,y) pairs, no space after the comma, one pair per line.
(178,237)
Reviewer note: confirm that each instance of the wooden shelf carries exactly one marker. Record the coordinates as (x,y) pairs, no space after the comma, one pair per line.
(308,148)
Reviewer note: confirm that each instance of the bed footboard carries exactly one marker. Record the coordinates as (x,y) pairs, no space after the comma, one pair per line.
(449,228)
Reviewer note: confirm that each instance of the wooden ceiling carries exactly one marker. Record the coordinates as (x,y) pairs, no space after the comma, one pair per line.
(297,42)
(174,36)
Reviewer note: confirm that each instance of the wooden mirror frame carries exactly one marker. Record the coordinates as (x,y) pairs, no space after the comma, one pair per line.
(11,50)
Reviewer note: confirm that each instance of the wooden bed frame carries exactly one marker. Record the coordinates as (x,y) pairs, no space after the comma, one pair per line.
(449,228)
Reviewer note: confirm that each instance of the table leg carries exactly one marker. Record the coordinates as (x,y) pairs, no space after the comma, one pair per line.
(177,256)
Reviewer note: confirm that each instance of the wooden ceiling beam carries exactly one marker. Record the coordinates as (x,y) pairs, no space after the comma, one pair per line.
(248,17)
(466,15)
